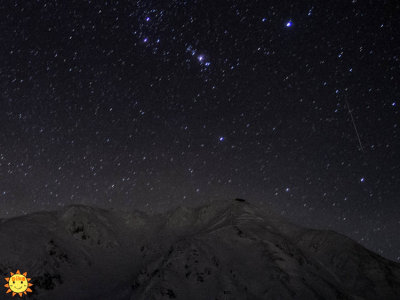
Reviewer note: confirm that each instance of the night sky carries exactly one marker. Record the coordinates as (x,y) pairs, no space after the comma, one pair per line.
(154,104)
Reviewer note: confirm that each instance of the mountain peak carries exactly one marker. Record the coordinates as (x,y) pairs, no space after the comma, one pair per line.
(229,247)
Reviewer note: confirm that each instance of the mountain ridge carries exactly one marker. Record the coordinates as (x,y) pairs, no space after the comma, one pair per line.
(223,250)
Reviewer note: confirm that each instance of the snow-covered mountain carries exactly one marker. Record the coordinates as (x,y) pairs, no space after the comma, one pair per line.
(226,250)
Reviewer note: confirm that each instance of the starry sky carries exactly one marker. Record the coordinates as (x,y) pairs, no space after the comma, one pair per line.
(153,104)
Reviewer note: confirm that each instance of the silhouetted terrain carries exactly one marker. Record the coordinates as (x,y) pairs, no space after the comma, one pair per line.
(227,250)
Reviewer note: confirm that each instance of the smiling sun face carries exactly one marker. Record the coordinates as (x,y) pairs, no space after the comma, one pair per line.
(18,284)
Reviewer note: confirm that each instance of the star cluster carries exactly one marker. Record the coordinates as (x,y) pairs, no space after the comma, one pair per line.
(153,104)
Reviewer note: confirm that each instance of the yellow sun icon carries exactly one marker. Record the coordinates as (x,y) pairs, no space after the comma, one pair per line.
(18,284)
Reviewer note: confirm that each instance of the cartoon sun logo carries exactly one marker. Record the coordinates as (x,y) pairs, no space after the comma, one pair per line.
(18,284)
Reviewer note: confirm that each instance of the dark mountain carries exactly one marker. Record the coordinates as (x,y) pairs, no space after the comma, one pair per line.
(226,250)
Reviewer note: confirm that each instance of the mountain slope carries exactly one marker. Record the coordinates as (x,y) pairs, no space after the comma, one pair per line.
(226,250)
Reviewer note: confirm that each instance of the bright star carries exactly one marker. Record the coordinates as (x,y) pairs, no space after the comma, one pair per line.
(200,58)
